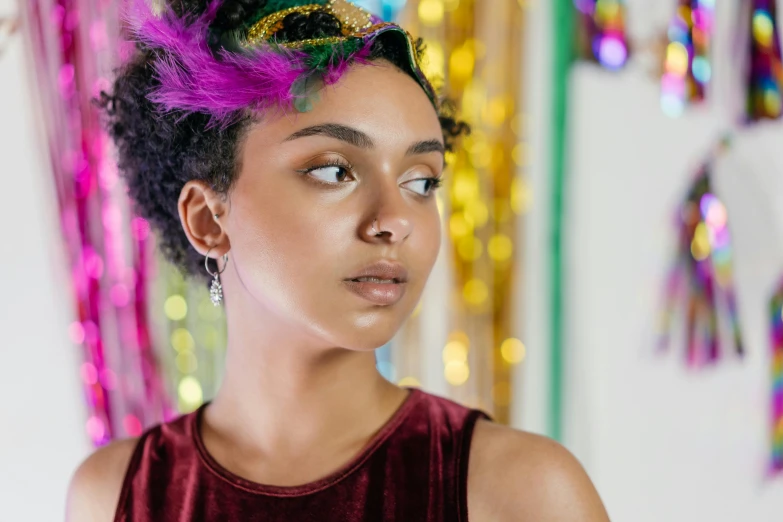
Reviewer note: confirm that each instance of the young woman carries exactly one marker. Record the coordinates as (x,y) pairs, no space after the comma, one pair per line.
(291,150)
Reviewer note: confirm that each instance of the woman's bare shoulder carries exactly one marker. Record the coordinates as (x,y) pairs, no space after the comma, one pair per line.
(95,486)
(518,476)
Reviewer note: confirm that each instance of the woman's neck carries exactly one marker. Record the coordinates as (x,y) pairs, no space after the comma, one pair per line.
(288,400)
(283,401)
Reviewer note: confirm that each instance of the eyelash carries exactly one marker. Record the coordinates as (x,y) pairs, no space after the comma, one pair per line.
(435,182)
(329,163)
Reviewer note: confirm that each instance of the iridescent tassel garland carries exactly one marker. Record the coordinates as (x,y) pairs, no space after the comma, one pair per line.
(703,272)
(687,69)
(776,426)
(765,69)
(602,35)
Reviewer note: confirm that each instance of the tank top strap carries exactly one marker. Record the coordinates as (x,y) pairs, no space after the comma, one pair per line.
(152,460)
(442,430)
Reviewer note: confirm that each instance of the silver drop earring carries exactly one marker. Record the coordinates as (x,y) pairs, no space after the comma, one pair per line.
(216,290)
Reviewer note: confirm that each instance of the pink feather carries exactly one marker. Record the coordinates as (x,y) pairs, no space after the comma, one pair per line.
(192,79)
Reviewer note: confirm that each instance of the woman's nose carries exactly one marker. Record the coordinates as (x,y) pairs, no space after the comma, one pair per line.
(390,220)
(391,228)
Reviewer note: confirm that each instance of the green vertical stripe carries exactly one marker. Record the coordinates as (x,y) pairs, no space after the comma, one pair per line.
(562,48)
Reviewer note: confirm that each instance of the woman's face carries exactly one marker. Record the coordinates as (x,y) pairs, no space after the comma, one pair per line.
(302,214)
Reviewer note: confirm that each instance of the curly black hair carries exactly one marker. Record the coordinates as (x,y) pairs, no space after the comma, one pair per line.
(159,152)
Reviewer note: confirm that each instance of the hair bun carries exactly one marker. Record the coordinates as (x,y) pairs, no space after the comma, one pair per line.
(323,24)
(298,26)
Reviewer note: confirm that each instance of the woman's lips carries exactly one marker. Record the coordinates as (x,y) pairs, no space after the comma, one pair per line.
(379,293)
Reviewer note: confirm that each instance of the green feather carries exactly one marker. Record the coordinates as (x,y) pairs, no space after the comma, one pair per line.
(319,57)
(306,91)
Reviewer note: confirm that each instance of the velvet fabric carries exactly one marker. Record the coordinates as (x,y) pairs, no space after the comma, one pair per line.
(414,469)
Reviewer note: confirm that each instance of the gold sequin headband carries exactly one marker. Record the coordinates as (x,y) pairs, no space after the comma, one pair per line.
(355,22)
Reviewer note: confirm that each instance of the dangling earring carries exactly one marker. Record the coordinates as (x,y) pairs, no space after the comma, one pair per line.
(216,290)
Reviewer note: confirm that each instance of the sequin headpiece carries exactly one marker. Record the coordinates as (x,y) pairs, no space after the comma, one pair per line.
(255,69)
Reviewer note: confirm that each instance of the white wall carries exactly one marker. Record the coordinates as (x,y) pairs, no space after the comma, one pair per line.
(529,407)
(663,443)
(42,438)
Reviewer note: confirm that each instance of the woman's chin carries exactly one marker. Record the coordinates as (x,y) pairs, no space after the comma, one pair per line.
(368,334)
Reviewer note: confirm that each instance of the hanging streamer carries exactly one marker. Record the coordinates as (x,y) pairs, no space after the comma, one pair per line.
(687,69)
(602,37)
(703,271)
(765,72)
(75,45)
(776,461)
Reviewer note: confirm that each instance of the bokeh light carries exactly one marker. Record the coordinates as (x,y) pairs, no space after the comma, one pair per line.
(132,425)
(76,332)
(763,28)
(500,248)
(182,340)
(457,373)
(513,351)
(460,225)
(475,292)
(186,362)
(89,374)
(455,351)
(431,12)
(700,246)
(612,52)
(677,59)
(461,63)
(190,393)
(470,248)
(409,381)
(175,307)
(96,429)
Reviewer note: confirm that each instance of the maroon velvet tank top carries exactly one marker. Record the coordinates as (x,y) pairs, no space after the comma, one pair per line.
(413,470)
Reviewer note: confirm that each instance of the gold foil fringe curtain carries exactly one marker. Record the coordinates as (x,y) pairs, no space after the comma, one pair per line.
(475,48)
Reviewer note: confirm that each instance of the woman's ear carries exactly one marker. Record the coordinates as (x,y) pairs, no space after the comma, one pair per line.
(198,205)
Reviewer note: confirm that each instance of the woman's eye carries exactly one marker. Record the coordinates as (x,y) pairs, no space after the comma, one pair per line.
(330,173)
(424,186)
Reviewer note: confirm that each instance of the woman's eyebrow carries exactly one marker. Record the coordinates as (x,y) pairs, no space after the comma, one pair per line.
(337,131)
(361,140)
(426,146)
